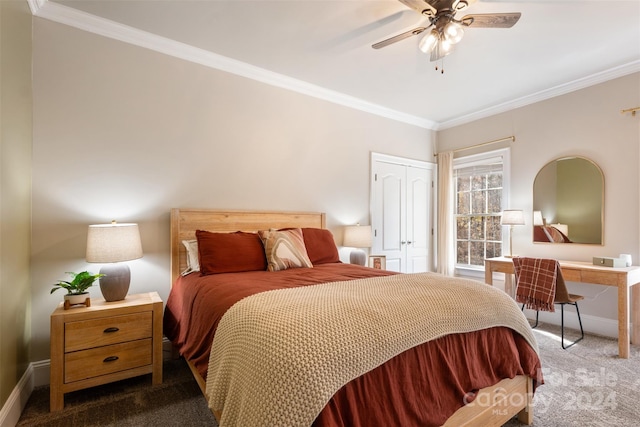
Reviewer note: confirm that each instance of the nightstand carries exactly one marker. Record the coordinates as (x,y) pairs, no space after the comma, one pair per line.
(106,342)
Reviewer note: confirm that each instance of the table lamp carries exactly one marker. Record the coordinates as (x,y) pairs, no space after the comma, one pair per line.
(112,244)
(512,217)
(537,218)
(357,236)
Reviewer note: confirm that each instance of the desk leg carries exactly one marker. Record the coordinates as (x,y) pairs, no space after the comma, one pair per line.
(635,314)
(623,320)
(488,273)
(508,284)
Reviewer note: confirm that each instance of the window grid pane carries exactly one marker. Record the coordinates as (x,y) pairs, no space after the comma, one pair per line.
(478,209)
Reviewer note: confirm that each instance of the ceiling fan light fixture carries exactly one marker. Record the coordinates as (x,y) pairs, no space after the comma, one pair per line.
(429,41)
(445,47)
(446,31)
(453,32)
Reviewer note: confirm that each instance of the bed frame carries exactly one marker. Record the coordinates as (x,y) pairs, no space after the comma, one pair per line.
(493,406)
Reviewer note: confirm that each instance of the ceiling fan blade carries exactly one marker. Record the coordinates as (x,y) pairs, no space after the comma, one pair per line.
(398,37)
(491,20)
(421,6)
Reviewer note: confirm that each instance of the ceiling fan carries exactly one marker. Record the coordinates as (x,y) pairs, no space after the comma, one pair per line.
(447,30)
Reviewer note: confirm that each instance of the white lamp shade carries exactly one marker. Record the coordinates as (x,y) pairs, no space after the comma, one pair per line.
(428,42)
(453,32)
(512,217)
(113,243)
(357,236)
(537,218)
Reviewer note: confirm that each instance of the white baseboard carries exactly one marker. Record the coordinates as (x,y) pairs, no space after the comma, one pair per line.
(41,372)
(591,324)
(11,410)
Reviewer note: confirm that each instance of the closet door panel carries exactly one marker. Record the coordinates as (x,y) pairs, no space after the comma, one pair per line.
(391,183)
(418,225)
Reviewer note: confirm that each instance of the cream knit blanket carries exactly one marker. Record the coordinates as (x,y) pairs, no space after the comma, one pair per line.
(279,356)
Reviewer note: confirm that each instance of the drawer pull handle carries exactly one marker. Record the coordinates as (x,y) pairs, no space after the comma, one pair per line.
(110,359)
(111,329)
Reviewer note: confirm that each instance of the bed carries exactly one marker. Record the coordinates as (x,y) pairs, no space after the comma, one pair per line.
(489,374)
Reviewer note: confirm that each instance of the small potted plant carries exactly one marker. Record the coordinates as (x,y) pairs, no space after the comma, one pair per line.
(77,288)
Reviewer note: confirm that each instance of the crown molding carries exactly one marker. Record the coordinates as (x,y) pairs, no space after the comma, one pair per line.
(613,73)
(84,21)
(72,17)
(35,5)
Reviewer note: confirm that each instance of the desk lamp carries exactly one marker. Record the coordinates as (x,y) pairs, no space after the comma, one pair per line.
(512,217)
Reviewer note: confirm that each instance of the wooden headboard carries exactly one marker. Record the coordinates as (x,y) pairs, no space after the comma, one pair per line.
(185,222)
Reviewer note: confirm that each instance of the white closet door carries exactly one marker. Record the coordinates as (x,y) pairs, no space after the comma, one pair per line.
(401,206)
(418,219)
(389,214)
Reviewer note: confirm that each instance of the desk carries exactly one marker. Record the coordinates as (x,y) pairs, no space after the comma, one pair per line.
(574,271)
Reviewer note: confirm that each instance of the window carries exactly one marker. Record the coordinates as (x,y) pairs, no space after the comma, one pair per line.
(480,196)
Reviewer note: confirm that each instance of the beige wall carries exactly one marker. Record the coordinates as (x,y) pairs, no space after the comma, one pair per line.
(15,192)
(587,123)
(124,133)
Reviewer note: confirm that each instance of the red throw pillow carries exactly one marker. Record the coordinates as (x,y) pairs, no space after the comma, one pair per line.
(321,247)
(230,252)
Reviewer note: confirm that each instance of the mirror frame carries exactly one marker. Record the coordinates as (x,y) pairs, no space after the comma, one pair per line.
(537,207)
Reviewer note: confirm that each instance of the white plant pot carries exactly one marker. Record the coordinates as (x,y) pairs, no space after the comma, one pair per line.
(76,299)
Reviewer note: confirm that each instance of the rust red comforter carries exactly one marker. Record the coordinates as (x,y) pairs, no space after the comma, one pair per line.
(420,387)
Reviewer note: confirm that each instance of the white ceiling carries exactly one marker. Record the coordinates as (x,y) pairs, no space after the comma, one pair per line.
(323,47)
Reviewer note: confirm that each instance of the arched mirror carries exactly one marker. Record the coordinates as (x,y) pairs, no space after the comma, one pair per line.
(568,202)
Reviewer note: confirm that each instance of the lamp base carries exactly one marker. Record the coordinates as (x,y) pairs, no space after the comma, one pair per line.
(115,283)
(358,257)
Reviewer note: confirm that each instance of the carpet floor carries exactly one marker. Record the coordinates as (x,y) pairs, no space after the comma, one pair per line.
(586,385)
(132,402)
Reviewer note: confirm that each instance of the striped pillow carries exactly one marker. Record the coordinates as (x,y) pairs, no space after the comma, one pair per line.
(284,249)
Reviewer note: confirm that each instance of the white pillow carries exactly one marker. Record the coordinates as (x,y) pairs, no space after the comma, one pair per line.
(193,263)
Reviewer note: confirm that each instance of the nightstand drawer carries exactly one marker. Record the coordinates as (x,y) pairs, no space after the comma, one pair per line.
(86,334)
(94,362)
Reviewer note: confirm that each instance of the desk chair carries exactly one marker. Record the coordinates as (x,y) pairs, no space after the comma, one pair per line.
(540,285)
